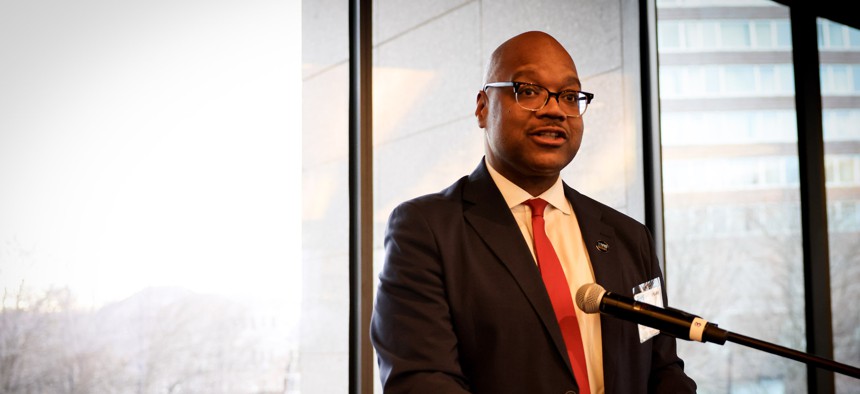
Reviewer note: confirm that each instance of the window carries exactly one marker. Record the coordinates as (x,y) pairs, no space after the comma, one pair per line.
(842,173)
(724,35)
(324,332)
(730,195)
(670,35)
(429,60)
(149,240)
(840,80)
(720,128)
(729,80)
(836,37)
(841,124)
(735,34)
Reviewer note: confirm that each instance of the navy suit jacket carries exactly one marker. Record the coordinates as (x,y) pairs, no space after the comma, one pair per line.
(461,306)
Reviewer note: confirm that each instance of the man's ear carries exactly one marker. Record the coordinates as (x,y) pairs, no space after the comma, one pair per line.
(481,109)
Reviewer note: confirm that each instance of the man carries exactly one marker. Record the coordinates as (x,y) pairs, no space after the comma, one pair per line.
(467,300)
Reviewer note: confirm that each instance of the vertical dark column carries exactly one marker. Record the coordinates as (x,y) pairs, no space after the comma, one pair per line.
(360,198)
(813,197)
(651,146)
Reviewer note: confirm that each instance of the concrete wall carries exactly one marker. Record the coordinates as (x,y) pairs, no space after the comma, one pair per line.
(428,60)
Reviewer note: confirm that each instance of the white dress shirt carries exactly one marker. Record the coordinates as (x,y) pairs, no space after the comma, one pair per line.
(562,228)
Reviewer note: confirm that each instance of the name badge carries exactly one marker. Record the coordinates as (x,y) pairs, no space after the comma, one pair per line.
(649,292)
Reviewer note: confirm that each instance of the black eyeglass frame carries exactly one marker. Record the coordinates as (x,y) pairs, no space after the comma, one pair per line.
(516,85)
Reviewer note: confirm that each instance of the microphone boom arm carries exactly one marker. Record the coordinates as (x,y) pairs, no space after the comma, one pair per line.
(592,298)
(807,358)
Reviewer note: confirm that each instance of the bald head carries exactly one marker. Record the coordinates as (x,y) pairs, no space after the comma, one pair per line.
(528,146)
(524,49)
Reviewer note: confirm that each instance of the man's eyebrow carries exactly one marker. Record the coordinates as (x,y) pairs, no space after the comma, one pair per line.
(527,73)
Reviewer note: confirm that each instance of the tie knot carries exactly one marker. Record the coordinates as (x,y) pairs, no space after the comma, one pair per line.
(537,205)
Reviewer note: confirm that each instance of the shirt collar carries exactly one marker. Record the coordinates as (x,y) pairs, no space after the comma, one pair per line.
(515,195)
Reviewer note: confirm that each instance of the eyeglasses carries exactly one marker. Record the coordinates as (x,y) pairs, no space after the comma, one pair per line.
(534,97)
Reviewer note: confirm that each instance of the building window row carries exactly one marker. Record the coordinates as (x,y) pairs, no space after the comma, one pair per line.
(842,170)
(717,35)
(713,3)
(730,174)
(726,80)
(744,80)
(840,79)
(751,127)
(841,124)
(729,127)
(734,220)
(753,173)
(758,219)
(837,37)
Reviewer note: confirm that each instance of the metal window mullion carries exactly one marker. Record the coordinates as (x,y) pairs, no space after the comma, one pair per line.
(813,198)
(652,153)
(360,198)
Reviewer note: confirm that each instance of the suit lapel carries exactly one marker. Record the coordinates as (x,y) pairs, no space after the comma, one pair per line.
(599,239)
(486,211)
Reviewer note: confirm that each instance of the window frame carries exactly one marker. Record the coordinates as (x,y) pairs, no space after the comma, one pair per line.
(803,16)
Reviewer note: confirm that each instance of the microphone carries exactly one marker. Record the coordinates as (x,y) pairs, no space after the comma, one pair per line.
(593,298)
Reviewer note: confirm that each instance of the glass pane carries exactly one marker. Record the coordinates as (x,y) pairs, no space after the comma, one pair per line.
(763,35)
(324,332)
(841,121)
(767,80)
(855,78)
(835,80)
(692,36)
(429,60)
(709,34)
(735,34)
(731,203)
(854,38)
(148,236)
(739,80)
(783,34)
(835,36)
(671,36)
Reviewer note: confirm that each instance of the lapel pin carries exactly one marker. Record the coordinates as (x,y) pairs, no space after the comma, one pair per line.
(602,246)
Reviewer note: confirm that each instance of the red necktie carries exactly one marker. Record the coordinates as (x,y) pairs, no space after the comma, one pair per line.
(559,294)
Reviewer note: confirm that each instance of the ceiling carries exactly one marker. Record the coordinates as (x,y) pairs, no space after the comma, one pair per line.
(840,11)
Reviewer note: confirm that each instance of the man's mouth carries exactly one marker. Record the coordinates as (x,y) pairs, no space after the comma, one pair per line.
(550,134)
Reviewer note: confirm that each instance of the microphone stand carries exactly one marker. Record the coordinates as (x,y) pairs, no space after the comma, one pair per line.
(720,336)
(680,324)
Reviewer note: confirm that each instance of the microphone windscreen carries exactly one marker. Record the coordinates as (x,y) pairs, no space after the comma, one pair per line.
(588,297)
